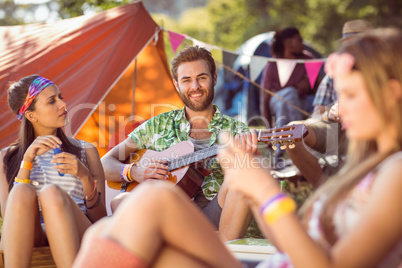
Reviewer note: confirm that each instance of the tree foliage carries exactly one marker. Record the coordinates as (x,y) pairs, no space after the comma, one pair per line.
(319,21)
(14,14)
(228,23)
(73,8)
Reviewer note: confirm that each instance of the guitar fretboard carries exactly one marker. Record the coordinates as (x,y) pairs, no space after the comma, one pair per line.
(288,134)
(194,157)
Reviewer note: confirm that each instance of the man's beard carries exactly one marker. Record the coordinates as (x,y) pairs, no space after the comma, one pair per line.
(198,106)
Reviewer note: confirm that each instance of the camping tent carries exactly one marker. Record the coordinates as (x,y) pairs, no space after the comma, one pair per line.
(110,67)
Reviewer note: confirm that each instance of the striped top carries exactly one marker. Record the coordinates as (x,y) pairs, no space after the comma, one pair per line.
(44,173)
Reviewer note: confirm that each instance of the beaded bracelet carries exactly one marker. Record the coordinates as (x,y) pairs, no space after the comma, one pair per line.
(124,172)
(96,204)
(121,173)
(93,191)
(26,165)
(278,208)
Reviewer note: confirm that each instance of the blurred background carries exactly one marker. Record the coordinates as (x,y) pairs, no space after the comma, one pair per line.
(244,27)
(225,23)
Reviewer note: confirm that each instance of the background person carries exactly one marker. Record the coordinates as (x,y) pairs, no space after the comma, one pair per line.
(325,135)
(286,44)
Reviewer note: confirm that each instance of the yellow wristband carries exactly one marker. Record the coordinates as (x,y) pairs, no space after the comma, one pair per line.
(26,165)
(129,171)
(22,181)
(278,209)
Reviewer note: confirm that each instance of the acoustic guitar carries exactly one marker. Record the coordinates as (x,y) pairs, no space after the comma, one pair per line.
(183,162)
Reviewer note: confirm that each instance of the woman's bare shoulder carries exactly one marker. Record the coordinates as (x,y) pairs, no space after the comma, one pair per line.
(389,171)
(393,162)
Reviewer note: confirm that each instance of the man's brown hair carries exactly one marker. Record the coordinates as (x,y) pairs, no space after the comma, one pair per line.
(192,53)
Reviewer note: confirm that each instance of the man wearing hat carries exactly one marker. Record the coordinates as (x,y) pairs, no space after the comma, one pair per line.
(326,94)
(353,27)
(325,136)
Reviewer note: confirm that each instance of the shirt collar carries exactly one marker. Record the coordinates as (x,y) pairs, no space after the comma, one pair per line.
(182,114)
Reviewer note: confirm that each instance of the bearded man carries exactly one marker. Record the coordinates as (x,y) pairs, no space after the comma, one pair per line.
(200,121)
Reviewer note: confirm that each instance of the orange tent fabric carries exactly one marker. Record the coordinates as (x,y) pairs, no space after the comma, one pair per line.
(118,114)
(86,56)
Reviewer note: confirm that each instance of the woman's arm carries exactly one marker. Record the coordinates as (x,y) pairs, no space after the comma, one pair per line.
(379,228)
(97,173)
(71,164)
(373,237)
(40,145)
(3,183)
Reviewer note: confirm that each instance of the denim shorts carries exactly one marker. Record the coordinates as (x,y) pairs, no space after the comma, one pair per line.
(210,209)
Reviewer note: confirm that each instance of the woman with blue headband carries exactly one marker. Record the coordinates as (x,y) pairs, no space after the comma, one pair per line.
(49,194)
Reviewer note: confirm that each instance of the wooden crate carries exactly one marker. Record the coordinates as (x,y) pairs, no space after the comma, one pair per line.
(41,257)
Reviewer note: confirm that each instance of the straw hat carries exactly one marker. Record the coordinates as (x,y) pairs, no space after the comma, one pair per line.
(353,27)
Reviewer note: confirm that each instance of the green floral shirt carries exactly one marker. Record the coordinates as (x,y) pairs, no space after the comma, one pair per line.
(161,132)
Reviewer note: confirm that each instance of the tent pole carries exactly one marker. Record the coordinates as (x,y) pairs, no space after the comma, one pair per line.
(134,87)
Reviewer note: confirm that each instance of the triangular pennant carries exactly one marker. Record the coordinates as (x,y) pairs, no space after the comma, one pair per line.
(202,44)
(228,59)
(257,64)
(175,40)
(285,70)
(312,69)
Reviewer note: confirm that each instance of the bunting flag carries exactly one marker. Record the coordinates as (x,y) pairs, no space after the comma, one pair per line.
(312,69)
(228,59)
(257,64)
(285,70)
(176,40)
(204,45)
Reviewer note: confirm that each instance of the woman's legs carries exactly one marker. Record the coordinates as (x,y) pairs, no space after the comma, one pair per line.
(22,229)
(171,255)
(65,224)
(155,219)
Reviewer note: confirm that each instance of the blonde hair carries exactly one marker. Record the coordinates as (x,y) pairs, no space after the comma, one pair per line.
(378,56)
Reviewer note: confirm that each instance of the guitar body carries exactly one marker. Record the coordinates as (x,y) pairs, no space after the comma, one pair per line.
(187,177)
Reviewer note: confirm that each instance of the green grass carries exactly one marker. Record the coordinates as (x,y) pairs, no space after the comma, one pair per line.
(253,231)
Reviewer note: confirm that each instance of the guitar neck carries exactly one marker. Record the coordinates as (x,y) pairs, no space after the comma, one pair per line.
(288,134)
(192,158)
